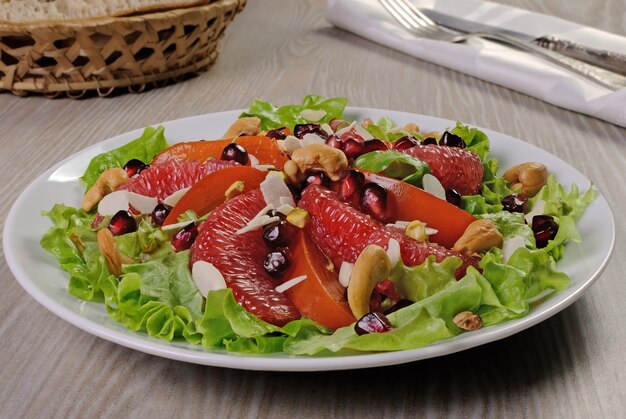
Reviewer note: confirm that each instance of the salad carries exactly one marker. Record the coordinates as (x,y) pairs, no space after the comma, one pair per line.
(303,233)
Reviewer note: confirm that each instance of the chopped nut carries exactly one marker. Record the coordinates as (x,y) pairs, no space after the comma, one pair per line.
(527,178)
(320,157)
(235,189)
(330,266)
(78,242)
(109,181)
(417,231)
(480,235)
(467,320)
(292,172)
(371,267)
(108,248)
(248,125)
(411,128)
(298,217)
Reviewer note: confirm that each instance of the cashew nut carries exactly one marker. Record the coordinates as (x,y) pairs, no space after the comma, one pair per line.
(528,177)
(479,236)
(320,157)
(109,180)
(467,320)
(108,248)
(248,125)
(292,171)
(411,128)
(371,267)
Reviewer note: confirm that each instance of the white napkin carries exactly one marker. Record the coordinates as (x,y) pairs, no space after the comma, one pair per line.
(491,61)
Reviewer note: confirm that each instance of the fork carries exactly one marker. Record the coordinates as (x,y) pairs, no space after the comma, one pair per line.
(417,23)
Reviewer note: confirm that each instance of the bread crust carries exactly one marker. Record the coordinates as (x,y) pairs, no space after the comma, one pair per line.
(47,12)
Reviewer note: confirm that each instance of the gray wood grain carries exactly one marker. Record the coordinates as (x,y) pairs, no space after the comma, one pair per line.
(571,365)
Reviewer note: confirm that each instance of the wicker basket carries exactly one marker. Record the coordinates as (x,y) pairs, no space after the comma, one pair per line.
(105,54)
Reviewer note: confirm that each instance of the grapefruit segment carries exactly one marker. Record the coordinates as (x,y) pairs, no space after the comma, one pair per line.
(239,257)
(160,181)
(320,297)
(456,168)
(342,232)
(209,192)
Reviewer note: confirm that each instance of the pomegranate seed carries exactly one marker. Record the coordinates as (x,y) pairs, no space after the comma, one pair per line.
(134,167)
(451,140)
(374,145)
(276,134)
(453,197)
(185,237)
(277,262)
(301,129)
(429,141)
(515,203)
(405,142)
(397,306)
(544,229)
(316,178)
(334,141)
(351,185)
(374,201)
(388,289)
(122,222)
(235,152)
(373,323)
(353,148)
(160,213)
(277,234)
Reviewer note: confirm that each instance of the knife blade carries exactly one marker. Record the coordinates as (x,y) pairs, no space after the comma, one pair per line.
(607,60)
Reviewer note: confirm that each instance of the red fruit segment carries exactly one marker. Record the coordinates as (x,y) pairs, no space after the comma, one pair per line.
(342,232)
(162,180)
(320,297)
(455,168)
(239,257)
(407,203)
(210,191)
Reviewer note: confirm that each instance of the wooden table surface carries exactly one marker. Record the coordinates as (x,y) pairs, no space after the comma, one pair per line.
(572,365)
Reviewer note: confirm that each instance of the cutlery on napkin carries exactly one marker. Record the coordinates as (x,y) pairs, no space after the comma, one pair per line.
(491,61)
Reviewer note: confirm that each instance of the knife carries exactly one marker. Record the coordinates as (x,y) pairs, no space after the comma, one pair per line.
(607,60)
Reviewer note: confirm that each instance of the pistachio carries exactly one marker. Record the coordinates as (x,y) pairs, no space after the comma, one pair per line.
(236,188)
(527,178)
(479,236)
(371,267)
(109,181)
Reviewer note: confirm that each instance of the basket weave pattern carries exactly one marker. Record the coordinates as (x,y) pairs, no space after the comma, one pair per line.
(101,55)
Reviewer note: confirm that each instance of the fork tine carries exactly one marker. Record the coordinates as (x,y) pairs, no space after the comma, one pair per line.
(401,11)
(416,13)
(397,14)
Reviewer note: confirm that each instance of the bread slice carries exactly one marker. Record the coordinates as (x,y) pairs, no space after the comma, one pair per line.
(26,11)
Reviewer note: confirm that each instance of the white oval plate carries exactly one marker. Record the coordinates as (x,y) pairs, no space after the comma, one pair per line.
(40,276)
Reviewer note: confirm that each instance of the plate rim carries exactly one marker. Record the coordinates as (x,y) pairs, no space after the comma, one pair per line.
(284,362)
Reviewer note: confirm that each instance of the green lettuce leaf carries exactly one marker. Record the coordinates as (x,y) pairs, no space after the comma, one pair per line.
(395,165)
(558,202)
(289,115)
(385,129)
(475,140)
(144,148)
(416,283)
